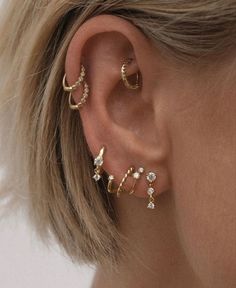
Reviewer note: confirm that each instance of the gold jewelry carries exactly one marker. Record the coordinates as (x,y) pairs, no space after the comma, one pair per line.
(136,175)
(74,87)
(124,76)
(110,185)
(98,161)
(128,173)
(151,178)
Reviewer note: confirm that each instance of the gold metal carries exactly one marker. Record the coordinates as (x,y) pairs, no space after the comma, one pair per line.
(110,185)
(128,173)
(74,87)
(82,100)
(124,76)
(76,84)
(136,176)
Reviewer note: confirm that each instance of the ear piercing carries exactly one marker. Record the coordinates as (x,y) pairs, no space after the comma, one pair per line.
(74,87)
(85,93)
(127,174)
(151,177)
(124,76)
(136,176)
(98,162)
(132,173)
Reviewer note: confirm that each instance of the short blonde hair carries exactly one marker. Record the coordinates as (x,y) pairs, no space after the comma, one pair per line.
(42,144)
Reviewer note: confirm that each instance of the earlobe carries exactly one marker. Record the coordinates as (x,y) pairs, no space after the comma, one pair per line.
(119,64)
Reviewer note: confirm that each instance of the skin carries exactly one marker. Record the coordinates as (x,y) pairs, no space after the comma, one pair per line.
(180,124)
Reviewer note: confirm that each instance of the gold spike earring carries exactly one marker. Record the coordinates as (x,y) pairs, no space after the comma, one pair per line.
(98,162)
(74,87)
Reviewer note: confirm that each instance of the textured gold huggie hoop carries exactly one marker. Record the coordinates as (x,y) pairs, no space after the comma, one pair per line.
(124,76)
(74,87)
(128,173)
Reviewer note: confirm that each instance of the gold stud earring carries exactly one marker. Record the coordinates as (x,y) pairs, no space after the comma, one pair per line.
(74,87)
(151,178)
(98,162)
(124,76)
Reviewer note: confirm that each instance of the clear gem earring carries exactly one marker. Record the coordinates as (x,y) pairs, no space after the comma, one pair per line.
(98,162)
(151,178)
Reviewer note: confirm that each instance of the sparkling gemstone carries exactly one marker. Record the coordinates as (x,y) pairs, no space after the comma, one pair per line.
(96,177)
(150,191)
(111,177)
(141,170)
(98,161)
(151,205)
(136,175)
(151,177)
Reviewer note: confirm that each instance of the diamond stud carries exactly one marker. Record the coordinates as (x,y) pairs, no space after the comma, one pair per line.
(141,170)
(96,177)
(151,177)
(98,161)
(151,205)
(136,175)
(150,191)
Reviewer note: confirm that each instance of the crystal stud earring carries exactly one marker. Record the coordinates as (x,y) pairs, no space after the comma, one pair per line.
(151,178)
(98,162)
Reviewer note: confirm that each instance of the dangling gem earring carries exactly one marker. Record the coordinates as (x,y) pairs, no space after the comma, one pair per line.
(98,162)
(151,178)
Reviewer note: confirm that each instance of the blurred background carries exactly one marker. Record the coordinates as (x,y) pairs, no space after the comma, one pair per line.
(25,262)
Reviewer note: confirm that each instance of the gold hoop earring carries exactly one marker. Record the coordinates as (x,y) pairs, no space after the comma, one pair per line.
(128,173)
(74,87)
(110,186)
(124,76)
(136,175)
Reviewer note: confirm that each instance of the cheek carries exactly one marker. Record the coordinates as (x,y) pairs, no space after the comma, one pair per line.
(204,188)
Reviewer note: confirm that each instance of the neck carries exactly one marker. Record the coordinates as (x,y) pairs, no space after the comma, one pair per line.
(156,257)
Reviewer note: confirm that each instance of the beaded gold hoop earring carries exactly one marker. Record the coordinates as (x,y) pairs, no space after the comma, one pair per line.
(124,76)
(74,87)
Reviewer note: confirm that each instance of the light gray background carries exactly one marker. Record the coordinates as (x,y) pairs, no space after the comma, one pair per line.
(26,263)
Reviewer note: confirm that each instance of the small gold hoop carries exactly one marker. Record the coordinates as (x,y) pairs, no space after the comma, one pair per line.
(110,186)
(128,173)
(82,100)
(76,84)
(124,76)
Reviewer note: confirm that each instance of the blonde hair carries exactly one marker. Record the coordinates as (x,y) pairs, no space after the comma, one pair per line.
(42,143)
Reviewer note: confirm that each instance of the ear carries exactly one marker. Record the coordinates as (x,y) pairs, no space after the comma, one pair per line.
(125,121)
